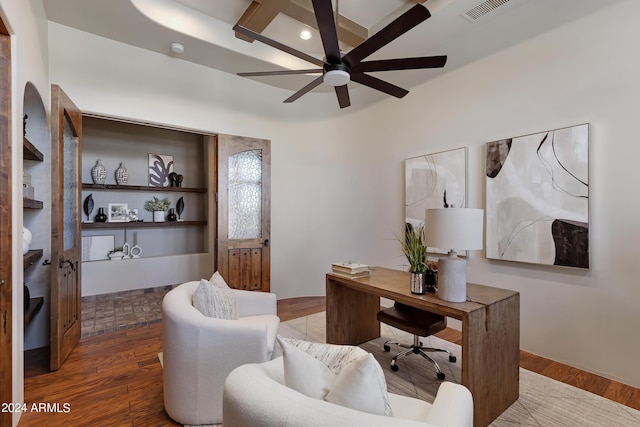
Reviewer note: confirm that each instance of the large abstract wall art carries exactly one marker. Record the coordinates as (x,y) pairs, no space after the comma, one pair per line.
(537,198)
(436,180)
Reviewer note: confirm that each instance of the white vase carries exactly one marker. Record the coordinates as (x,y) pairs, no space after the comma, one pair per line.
(98,173)
(158,216)
(122,174)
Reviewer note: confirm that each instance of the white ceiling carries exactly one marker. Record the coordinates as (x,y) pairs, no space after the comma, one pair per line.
(204,27)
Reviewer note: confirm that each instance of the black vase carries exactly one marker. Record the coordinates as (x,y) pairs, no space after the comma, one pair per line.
(101,216)
(172,215)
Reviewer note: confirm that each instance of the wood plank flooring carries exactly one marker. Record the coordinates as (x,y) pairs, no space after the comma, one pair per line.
(115,379)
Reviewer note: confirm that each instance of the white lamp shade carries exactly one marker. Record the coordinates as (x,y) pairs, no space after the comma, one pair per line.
(454,228)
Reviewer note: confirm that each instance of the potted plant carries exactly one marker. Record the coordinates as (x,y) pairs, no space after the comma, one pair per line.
(415,251)
(116,254)
(158,207)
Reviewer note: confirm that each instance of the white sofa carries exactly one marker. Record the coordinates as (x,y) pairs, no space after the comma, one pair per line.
(255,396)
(199,351)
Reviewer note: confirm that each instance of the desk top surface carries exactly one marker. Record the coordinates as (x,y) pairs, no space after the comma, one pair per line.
(394,284)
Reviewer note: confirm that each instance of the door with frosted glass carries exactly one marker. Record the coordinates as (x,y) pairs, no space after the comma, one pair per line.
(66,144)
(244,205)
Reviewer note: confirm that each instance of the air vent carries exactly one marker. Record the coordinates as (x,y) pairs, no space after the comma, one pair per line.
(482,9)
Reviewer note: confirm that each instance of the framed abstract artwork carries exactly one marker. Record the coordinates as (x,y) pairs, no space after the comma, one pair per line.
(537,198)
(435,180)
(160,166)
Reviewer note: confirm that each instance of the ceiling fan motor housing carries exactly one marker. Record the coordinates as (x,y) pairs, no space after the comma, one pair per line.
(336,74)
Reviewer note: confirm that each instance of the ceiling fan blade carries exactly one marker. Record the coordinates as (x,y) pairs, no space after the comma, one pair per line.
(395,29)
(381,85)
(304,90)
(401,64)
(327,27)
(280,73)
(342,92)
(257,36)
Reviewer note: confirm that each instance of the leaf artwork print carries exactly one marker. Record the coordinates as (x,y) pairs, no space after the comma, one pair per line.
(160,166)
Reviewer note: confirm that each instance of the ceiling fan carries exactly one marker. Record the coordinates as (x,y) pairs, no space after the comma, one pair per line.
(338,69)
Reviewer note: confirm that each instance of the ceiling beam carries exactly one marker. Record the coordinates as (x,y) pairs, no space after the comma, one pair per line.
(260,13)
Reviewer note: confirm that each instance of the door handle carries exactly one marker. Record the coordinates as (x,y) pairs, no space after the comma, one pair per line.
(266,242)
(67,261)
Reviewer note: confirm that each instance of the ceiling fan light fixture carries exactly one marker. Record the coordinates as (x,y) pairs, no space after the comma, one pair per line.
(336,77)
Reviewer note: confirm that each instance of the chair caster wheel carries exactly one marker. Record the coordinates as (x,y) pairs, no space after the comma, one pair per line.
(394,368)
(452,359)
(387,348)
(440,376)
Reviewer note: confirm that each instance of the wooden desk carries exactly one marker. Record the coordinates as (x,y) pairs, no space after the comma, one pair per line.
(490,330)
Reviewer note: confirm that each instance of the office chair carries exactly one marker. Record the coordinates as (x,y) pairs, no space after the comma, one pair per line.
(418,322)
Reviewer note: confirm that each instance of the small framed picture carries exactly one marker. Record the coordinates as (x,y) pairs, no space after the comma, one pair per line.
(118,212)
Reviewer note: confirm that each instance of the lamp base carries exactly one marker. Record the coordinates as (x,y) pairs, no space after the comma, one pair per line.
(452,278)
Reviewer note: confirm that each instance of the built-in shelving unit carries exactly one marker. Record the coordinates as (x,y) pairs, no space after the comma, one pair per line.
(31,257)
(142,188)
(144,224)
(31,203)
(172,251)
(30,152)
(36,303)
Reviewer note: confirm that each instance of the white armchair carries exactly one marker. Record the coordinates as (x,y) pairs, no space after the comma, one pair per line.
(199,351)
(255,396)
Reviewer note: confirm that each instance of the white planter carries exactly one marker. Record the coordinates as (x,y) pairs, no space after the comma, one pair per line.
(158,216)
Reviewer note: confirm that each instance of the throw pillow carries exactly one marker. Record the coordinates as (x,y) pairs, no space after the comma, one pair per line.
(217,280)
(214,301)
(341,374)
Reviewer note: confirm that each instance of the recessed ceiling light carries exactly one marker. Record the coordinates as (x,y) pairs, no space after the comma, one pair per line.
(177,48)
(305,34)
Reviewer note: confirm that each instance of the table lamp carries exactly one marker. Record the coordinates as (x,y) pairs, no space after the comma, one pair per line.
(458,229)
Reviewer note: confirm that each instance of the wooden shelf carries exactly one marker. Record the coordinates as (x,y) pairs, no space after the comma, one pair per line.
(110,187)
(145,224)
(31,204)
(29,152)
(31,257)
(35,304)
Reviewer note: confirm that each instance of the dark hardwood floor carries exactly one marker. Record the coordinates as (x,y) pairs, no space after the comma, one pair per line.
(115,379)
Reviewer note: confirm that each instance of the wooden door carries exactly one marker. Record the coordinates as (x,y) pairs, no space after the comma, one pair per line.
(66,144)
(244,212)
(6,355)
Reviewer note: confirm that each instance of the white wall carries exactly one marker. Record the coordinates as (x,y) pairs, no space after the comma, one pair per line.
(586,71)
(27,24)
(337,189)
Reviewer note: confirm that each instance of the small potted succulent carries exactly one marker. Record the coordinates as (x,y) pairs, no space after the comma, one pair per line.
(415,251)
(158,207)
(116,254)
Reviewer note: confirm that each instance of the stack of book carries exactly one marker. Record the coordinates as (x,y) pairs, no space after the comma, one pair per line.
(350,269)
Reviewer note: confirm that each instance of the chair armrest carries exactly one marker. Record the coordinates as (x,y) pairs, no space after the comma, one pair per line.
(453,406)
(252,303)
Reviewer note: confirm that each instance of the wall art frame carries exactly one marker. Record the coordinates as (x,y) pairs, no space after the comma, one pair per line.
(435,180)
(537,198)
(118,212)
(97,248)
(160,167)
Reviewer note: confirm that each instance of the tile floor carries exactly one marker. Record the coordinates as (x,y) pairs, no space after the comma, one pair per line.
(122,310)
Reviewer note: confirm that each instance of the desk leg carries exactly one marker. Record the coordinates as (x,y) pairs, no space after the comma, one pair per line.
(351,315)
(491,358)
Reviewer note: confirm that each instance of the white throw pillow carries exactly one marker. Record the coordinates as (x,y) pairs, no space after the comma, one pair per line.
(342,374)
(217,280)
(214,301)
(361,385)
